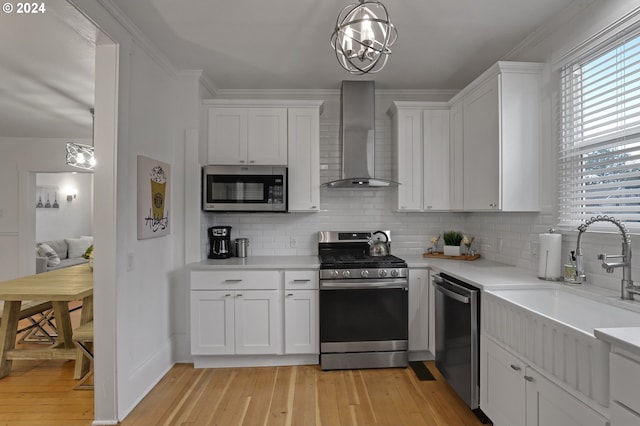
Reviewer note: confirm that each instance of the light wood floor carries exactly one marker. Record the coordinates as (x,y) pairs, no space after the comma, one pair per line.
(299,396)
(40,393)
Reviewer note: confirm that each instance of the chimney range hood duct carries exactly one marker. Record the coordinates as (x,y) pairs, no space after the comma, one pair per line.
(357,137)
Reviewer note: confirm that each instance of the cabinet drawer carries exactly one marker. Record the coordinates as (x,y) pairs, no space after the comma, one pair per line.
(625,376)
(301,280)
(232,280)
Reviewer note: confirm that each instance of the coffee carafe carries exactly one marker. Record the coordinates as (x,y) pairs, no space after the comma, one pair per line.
(219,242)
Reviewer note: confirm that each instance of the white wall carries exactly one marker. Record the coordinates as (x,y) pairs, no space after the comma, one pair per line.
(72,218)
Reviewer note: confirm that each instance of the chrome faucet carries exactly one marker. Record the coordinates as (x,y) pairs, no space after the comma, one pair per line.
(627,288)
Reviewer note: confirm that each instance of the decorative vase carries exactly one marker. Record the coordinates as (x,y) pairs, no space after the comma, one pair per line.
(451,250)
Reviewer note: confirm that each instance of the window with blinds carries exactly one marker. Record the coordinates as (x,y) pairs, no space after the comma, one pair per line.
(599,159)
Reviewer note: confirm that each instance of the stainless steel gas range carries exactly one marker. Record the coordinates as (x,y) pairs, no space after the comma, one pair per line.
(363,302)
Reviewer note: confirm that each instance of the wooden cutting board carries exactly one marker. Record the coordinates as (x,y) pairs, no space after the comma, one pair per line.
(441,255)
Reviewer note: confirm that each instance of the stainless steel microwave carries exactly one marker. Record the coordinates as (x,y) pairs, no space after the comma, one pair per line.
(244,189)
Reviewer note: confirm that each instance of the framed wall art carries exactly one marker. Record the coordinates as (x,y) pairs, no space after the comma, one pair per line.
(154,182)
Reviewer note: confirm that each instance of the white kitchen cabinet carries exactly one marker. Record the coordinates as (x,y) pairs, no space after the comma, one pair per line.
(235,312)
(301,312)
(419,310)
(244,135)
(421,155)
(513,393)
(304,158)
(502,394)
(624,379)
(500,136)
(456,170)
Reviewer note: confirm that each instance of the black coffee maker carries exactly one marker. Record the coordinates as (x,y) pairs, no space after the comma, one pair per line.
(219,242)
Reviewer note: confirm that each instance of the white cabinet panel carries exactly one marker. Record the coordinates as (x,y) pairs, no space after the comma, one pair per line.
(418,310)
(267,136)
(212,323)
(235,280)
(301,322)
(304,159)
(227,135)
(257,322)
(436,160)
(549,405)
(622,416)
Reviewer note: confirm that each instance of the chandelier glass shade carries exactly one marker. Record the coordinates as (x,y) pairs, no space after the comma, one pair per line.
(80,156)
(363,37)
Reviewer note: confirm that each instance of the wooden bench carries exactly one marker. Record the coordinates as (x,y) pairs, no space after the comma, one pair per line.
(83,339)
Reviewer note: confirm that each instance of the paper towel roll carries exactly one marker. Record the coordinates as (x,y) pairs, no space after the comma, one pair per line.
(550,255)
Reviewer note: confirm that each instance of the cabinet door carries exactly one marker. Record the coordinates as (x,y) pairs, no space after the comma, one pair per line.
(267,136)
(257,322)
(227,135)
(304,159)
(410,156)
(435,125)
(456,159)
(502,393)
(212,318)
(481,152)
(301,322)
(418,310)
(549,405)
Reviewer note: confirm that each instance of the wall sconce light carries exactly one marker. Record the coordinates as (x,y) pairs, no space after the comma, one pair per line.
(71,194)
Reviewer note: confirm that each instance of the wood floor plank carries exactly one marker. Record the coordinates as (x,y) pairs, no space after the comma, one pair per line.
(300,396)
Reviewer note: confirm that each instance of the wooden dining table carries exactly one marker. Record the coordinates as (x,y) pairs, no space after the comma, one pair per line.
(59,287)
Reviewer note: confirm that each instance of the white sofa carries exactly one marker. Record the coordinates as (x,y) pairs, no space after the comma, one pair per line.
(69,251)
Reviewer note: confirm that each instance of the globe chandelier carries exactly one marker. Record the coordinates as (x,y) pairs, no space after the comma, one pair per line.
(363,37)
(80,155)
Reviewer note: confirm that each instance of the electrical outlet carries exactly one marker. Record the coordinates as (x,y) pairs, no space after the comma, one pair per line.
(293,242)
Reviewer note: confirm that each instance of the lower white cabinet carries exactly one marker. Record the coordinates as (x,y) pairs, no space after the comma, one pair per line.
(301,301)
(625,399)
(512,393)
(235,312)
(234,322)
(418,310)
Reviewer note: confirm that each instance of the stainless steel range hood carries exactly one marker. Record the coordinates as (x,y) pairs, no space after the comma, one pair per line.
(357,137)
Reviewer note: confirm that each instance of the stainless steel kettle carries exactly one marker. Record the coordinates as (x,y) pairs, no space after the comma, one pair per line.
(378,247)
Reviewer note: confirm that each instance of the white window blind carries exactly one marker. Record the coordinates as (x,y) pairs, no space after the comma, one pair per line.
(599,158)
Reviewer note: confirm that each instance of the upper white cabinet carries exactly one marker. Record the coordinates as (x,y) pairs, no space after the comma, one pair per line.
(304,158)
(495,130)
(421,155)
(272,133)
(242,135)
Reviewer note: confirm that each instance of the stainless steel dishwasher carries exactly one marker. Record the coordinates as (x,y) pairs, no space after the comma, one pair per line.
(458,336)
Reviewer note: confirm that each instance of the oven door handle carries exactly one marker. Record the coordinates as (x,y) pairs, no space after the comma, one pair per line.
(451,294)
(356,284)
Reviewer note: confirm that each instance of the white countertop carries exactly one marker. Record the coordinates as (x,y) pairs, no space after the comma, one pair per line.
(627,338)
(258,262)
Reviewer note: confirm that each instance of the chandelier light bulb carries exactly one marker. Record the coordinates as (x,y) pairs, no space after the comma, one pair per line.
(92,161)
(80,158)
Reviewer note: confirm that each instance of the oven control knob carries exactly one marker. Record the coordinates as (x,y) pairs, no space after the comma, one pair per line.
(395,272)
(383,272)
(364,273)
(346,274)
(334,274)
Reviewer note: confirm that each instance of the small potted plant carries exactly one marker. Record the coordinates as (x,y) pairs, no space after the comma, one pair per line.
(452,241)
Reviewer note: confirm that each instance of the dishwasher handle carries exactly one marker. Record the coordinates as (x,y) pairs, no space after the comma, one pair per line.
(453,295)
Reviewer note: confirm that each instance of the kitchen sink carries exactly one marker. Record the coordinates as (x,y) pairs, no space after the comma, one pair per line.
(574,310)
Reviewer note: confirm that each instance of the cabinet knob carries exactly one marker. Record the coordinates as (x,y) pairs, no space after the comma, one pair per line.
(528,378)
(493,205)
(227,295)
(314,207)
(515,367)
(429,207)
(289,294)
(241,161)
(239,295)
(252,161)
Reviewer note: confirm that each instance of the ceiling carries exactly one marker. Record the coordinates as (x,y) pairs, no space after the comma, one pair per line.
(47,60)
(284,44)
(47,73)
